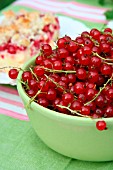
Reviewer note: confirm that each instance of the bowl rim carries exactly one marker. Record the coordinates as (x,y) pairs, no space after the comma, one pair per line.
(52,112)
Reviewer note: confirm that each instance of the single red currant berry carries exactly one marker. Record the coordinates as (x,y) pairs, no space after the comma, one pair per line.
(108,30)
(102,38)
(61,43)
(46,48)
(51,94)
(39,71)
(105,90)
(93,76)
(43,102)
(82,97)
(33,84)
(106,69)
(26,76)
(95,33)
(87,50)
(79,88)
(95,116)
(64,78)
(3,47)
(96,49)
(55,76)
(71,88)
(57,65)
(43,86)
(105,47)
(88,42)
(67,38)
(101,80)
(60,109)
(99,112)
(62,86)
(31,92)
(68,66)
(62,53)
(12,49)
(79,40)
(13,73)
(39,59)
(100,101)
(56,102)
(95,61)
(101,125)
(90,93)
(84,60)
(72,46)
(67,98)
(85,34)
(92,106)
(109,111)
(85,110)
(69,59)
(79,53)
(76,105)
(47,64)
(110,93)
(71,78)
(81,73)
(90,85)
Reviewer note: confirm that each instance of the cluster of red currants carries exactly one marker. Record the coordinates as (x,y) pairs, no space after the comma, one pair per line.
(76,77)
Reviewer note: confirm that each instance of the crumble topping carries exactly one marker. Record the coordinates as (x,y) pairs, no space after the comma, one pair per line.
(22,33)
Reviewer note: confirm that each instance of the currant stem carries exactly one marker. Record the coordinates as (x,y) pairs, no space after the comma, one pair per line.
(34,74)
(24,83)
(54,82)
(101,88)
(59,71)
(107,59)
(72,111)
(10,67)
(82,45)
(33,98)
(57,84)
(108,63)
(93,40)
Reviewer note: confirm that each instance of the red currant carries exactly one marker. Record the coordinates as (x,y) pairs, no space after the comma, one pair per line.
(13,73)
(101,125)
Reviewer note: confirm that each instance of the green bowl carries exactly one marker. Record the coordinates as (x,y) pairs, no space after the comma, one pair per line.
(72,136)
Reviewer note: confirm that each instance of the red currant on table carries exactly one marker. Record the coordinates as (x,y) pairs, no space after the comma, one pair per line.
(101,125)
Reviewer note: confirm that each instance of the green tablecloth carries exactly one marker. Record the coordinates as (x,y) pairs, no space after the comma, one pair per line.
(21,148)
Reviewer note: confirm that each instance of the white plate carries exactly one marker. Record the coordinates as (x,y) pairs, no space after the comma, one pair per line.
(68,26)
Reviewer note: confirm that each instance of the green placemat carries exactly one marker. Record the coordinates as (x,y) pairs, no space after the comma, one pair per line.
(21,149)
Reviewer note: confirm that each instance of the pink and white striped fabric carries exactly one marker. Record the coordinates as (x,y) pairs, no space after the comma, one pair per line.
(72,9)
(11,104)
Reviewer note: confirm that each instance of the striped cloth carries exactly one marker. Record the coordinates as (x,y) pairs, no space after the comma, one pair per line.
(10,102)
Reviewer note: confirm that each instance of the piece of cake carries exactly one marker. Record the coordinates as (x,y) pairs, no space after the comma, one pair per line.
(22,34)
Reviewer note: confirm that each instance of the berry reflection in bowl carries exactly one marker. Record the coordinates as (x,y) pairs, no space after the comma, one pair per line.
(67,93)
